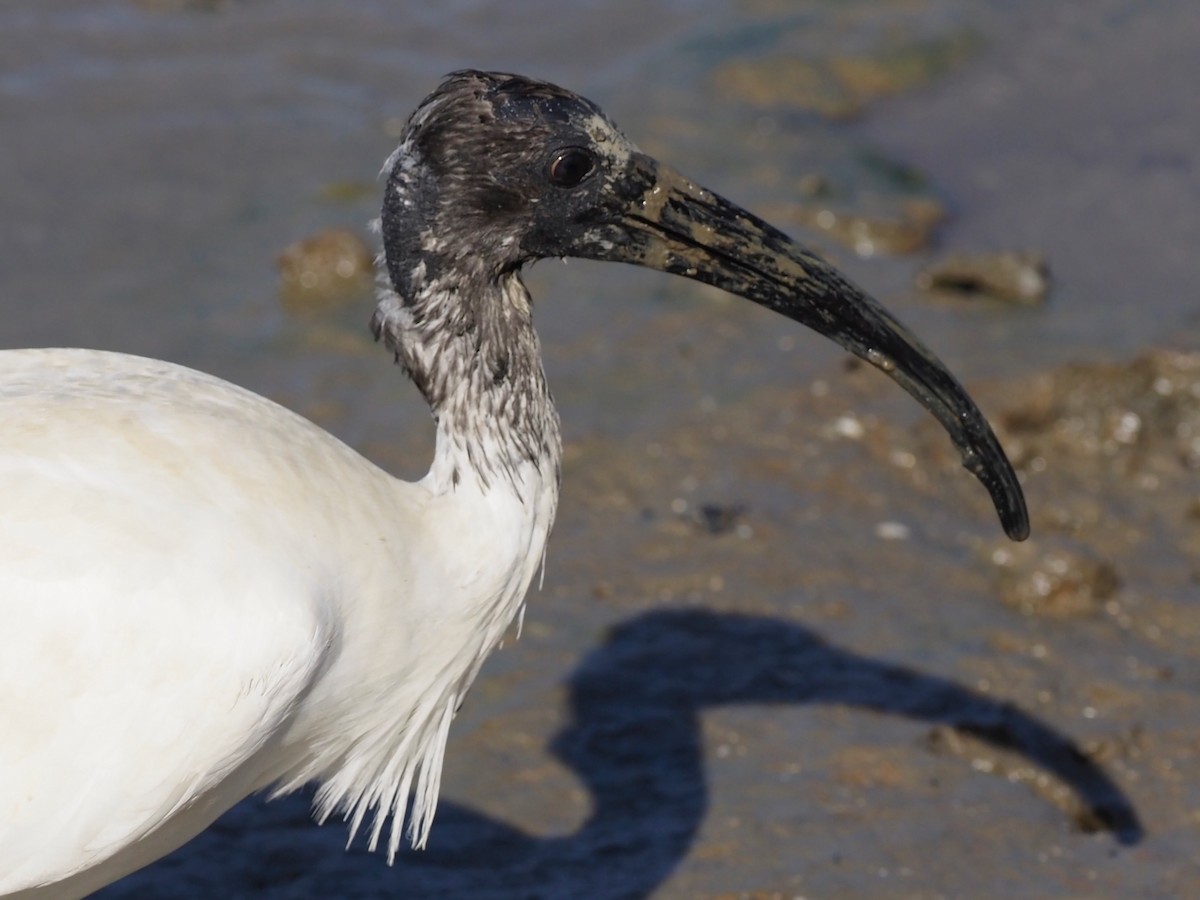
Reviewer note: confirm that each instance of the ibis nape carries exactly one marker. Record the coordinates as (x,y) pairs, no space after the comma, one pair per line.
(204,595)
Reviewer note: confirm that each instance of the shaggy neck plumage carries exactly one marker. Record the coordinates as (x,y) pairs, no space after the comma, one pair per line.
(462,329)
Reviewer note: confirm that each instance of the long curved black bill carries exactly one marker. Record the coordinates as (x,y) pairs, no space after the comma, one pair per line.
(669,223)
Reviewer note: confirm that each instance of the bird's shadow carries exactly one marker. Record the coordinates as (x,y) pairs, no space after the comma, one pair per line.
(633,738)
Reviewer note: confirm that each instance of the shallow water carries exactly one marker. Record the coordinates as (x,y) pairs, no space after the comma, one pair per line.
(158,157)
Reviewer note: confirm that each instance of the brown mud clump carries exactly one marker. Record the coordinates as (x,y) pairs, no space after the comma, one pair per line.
(327,269)
(841,86)
(1019,278)
(1110,453)
(909,229)
(1139,419)
(1059,583)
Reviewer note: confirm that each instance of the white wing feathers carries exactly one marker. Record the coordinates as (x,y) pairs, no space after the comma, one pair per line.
(111,637)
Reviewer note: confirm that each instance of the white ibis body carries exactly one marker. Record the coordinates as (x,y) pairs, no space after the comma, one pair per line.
(204,595)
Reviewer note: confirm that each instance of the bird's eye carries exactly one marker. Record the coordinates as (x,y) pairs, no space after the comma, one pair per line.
(570,166)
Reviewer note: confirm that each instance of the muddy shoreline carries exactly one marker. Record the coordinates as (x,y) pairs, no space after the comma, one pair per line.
(783,648)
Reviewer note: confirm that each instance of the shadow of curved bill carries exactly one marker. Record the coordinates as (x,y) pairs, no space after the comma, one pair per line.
(633,737)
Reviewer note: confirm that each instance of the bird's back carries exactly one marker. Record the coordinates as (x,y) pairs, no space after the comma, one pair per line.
(168,572)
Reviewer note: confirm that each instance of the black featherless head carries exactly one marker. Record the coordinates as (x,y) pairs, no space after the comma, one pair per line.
(496,170)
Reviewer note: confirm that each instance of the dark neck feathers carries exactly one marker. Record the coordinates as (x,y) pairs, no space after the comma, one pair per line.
(462,329)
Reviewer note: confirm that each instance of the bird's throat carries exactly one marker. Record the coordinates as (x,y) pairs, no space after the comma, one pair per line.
(469,346)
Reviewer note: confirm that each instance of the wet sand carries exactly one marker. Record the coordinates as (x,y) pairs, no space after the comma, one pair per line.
(782,648)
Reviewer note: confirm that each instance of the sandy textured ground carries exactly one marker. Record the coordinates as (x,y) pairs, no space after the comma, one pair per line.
(783,648)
